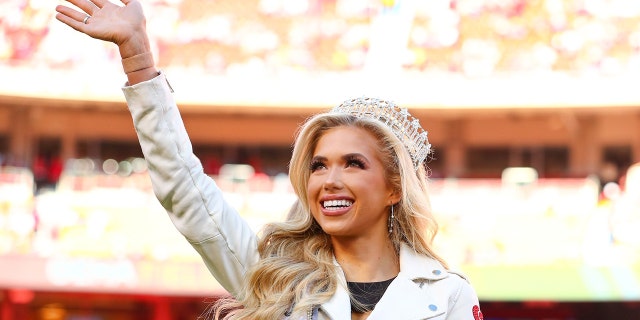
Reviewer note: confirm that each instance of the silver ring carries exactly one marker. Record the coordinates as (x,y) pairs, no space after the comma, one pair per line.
(85,19)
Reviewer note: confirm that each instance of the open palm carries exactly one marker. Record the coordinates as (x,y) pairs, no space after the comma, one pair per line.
(120,24)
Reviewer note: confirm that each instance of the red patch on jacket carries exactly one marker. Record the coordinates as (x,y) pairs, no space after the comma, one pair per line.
(477,314)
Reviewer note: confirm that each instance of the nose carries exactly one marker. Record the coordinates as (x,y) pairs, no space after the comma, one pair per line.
(333,179)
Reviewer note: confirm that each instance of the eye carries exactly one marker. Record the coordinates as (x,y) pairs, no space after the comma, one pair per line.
(316,165)
(355,162)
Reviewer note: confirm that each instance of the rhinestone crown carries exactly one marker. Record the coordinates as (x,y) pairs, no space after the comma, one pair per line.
(404,125)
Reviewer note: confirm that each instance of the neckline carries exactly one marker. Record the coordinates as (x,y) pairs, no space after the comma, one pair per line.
(365,295)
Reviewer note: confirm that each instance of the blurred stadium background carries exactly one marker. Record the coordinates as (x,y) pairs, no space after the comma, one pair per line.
(532,106)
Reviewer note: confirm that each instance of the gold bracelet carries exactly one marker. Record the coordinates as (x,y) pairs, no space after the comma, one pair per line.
(137,62)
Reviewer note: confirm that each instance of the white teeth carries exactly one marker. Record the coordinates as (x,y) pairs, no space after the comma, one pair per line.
(337,203)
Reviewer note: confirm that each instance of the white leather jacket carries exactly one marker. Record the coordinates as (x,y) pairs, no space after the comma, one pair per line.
(422,290)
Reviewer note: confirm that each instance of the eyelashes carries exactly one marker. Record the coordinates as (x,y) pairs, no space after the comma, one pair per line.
(315,165)
(355,161)
(349,161)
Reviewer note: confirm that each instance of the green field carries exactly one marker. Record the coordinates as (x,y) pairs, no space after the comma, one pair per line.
(557,283)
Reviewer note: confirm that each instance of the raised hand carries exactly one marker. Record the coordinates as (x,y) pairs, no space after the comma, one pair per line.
(123,25)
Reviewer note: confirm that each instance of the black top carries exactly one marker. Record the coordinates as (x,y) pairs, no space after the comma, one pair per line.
(367,294)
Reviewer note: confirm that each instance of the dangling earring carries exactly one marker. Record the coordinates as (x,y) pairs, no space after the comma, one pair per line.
(391,217)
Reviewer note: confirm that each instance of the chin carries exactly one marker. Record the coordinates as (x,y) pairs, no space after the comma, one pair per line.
(336,232)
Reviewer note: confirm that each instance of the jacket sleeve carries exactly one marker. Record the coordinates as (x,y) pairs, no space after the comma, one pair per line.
(464,304)
(193,201)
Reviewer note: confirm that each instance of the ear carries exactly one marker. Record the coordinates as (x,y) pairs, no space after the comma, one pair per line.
(394,197)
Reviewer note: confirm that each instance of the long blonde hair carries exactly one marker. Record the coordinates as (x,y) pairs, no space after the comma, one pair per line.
(296,271)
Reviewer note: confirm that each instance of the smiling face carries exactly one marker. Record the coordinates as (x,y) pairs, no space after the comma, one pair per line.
(347,190)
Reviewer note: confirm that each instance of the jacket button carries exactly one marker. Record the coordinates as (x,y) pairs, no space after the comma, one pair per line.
(433,307)
(436,272)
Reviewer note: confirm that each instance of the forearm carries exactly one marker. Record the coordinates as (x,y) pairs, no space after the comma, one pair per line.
(195,204)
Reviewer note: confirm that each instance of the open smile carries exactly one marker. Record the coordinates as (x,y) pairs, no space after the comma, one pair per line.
(336,207)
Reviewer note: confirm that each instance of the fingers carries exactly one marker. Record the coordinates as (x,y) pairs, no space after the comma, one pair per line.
(73,15)
(98,3)
(86,5)
(74,23)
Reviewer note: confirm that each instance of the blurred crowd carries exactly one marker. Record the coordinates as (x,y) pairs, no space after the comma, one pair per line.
(96,209)
(470,37)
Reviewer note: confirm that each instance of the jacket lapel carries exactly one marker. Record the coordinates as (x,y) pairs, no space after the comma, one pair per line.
(339,306)
(404,299)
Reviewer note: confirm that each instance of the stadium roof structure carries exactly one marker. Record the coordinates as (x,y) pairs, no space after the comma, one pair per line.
(318,91)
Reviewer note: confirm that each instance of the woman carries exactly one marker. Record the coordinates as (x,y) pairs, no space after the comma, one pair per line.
(356,244)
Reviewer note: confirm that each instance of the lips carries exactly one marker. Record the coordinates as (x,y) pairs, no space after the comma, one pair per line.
(336,206)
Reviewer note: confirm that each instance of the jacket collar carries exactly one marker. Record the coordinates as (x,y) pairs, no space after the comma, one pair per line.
(420,267)
(404,298)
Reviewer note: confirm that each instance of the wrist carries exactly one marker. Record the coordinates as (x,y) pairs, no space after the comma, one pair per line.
(141,75)
(135,45)
(138,62)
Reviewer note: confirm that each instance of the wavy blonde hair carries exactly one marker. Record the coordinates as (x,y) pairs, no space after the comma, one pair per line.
(296,271)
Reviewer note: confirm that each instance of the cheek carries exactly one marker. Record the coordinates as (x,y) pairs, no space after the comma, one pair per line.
(312,190)
(314,183)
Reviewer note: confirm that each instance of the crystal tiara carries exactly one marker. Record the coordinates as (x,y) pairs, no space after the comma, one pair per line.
(404,125)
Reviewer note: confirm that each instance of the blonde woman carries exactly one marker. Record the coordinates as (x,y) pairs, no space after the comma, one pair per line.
(356,244)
